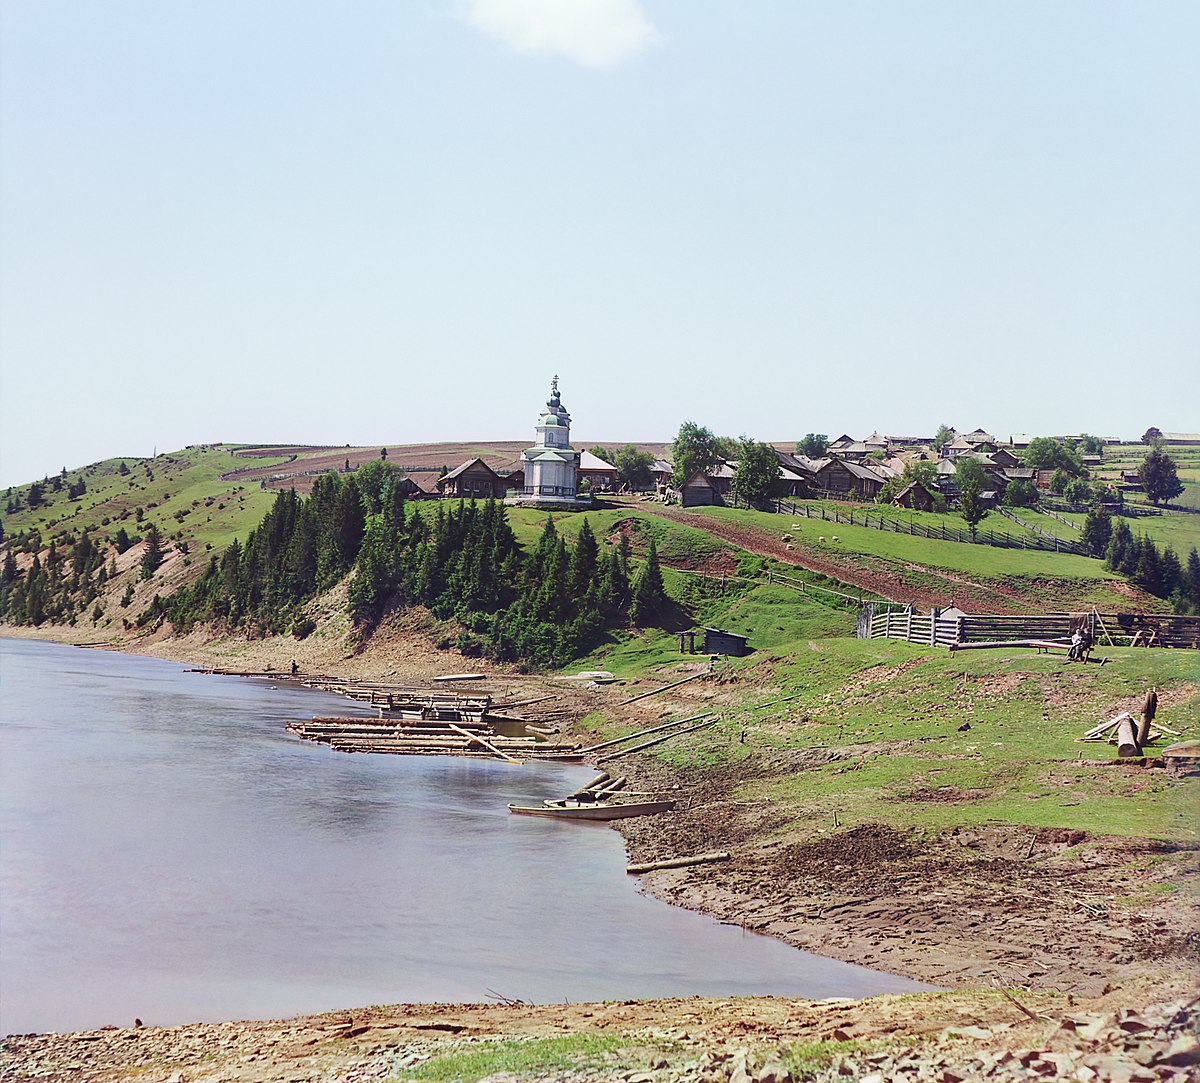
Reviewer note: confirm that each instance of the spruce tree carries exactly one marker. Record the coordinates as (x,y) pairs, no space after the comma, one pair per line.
(583,560)
(648,591)
(152,557)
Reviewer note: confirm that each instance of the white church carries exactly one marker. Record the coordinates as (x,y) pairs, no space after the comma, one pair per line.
(551,466)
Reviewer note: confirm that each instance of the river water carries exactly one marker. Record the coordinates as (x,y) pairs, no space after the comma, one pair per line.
(169,852)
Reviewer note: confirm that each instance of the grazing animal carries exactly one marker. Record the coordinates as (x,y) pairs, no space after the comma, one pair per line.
(821,538)
(835,537)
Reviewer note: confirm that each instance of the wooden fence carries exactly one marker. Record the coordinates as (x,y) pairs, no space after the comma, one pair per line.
(878,521)
(1115,629)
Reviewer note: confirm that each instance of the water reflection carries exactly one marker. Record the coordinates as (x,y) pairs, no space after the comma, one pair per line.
(170,852)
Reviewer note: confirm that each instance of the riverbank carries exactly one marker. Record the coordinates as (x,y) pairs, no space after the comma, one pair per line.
(951,1037)
(1050,913)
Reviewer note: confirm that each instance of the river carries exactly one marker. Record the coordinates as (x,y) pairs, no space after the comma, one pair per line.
(169,852)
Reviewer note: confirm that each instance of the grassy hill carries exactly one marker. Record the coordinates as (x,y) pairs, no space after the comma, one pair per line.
(202,497)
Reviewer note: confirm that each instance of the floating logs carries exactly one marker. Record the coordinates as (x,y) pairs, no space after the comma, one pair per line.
(409,738)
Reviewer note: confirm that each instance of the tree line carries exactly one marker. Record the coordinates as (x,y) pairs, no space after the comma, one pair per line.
(459,560)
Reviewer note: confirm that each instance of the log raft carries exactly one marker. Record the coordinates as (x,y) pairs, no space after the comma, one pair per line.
(423,721)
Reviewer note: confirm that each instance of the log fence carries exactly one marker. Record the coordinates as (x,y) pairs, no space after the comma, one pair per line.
(948,630)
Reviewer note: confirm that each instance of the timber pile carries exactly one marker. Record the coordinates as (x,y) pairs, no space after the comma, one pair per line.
(426,737)
(1127,733)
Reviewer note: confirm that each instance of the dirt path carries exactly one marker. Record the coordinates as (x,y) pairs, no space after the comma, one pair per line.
(886,582)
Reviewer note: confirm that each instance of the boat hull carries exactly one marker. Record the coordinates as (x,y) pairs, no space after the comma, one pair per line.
(595,811)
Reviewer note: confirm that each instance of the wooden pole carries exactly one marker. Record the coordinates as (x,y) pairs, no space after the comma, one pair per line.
(655,691)
(599,780)
(474,737)
(1103,626)
(643,733)
(678,862)
(659,740)
(1149,708)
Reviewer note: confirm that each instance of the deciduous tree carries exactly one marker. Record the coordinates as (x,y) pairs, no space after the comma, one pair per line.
(694,448)
(756,476)
(634,467)
(813,445)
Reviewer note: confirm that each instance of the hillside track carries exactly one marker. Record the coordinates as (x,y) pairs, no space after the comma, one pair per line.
(884,582)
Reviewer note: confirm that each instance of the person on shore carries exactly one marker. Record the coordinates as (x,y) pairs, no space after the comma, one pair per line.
(295,668)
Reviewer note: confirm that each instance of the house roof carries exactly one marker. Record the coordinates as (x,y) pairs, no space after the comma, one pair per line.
(841,441)
(1181,437)
(466,466)
(914,485)
(588,461)
(856,469)
(661,466)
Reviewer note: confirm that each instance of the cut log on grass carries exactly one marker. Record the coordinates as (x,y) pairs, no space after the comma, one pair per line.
(678,862)
(1127,743)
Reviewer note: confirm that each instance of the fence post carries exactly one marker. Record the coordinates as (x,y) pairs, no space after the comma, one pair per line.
(887,623)
(934,613)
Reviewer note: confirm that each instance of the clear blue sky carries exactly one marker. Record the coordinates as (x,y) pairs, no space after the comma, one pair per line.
(389,222)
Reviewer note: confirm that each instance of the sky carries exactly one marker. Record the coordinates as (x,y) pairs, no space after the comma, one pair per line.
(382,223)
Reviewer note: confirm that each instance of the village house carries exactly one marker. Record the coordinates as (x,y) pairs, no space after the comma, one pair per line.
(473,480)
(662,472)
(848,480)
(601,476)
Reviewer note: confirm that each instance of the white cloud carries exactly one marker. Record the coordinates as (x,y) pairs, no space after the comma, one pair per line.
(598,33)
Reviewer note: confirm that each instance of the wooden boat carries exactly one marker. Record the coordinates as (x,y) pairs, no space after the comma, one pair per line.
(594,810)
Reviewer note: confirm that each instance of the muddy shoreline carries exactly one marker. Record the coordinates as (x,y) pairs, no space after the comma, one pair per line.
(1042,912)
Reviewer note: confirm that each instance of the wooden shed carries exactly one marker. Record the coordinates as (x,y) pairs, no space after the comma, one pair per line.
(707,487)
(699,491)
(915,496)
(718,641)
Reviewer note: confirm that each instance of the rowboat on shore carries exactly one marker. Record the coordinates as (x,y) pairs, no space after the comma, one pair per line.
(593,810)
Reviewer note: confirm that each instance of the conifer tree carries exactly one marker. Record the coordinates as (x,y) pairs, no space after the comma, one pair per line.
(583,560)
(648,591)
(152,557)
